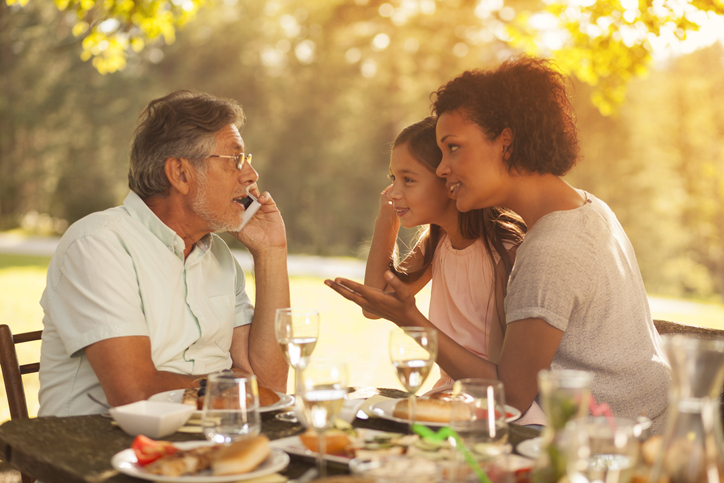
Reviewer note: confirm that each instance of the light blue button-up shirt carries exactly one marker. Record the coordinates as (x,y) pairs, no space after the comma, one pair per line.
(121,272)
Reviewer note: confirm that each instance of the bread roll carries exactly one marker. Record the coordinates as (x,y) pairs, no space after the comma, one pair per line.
(267,397)
(241,457)
(431,411)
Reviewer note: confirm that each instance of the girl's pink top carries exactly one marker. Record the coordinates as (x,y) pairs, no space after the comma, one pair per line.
(462,304)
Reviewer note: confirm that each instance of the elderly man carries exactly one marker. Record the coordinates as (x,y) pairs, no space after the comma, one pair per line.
(144,298)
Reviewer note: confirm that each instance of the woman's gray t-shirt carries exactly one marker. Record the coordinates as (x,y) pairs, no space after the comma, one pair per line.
(577,270)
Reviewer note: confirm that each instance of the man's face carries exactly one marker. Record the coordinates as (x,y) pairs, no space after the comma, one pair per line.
(220,188)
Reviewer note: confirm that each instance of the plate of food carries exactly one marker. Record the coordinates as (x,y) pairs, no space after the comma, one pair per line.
(342,445)
(269,400)
(201,461)
(429,411)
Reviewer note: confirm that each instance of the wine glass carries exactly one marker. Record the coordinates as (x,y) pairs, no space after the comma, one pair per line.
(322,387)
(413,351)
(296,332)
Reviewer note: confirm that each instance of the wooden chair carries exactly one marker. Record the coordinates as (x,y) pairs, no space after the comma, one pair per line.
(13,374)
(668,327)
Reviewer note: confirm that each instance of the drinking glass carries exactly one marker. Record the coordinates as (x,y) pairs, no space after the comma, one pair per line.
(297,332)
(231,408)
(413,351)
(565,395)
(601,449)
(478,416)
(322,387)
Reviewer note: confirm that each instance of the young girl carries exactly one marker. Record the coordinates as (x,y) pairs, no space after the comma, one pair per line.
(468,256)
(575,297)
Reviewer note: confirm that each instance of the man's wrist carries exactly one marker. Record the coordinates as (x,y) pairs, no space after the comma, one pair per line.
(269,253)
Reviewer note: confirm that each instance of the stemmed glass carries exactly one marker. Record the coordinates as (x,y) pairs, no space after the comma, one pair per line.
(322,387)
(297,332)
(413,351)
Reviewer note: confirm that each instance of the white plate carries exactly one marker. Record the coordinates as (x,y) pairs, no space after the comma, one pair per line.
(386,409)
(177,396)
(125,462)
(530,447)
(294,445)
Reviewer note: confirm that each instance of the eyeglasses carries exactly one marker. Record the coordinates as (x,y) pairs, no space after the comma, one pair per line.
(238,159)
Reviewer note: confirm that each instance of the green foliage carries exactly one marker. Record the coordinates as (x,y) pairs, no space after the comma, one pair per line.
(112,28)
(607,44)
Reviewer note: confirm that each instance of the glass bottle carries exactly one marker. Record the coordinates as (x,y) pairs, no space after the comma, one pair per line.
(692,444)
(564,395)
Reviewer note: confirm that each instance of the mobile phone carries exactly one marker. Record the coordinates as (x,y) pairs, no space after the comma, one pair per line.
(251,206)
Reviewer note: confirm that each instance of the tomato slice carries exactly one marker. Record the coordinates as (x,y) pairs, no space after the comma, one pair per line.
(148,450)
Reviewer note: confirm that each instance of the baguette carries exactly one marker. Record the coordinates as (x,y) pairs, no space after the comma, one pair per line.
(223,459)
(240,457)
(431,411)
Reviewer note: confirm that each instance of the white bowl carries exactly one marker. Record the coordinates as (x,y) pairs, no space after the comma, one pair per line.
(154,419)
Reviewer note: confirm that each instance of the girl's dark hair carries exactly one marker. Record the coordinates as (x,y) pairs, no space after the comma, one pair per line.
(526,95)
(494,225)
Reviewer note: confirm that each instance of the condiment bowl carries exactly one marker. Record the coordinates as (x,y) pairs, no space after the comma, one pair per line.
(154,419)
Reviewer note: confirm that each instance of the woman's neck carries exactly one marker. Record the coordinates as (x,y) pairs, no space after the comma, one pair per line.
(536,195)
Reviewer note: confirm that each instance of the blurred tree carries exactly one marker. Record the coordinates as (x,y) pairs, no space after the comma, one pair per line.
(603,43)
(326,86)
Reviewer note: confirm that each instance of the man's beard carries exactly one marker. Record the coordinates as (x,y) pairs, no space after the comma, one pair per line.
(201,207)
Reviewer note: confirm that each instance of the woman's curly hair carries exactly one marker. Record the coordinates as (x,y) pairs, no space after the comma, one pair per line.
(527,95)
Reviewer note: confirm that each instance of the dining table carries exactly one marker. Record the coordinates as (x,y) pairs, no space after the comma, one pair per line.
(78,449)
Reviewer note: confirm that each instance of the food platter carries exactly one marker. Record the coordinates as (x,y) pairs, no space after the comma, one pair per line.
(125,462)
(177,396)
(386,409)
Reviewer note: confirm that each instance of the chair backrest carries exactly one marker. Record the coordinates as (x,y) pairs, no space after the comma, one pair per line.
(668,327)
(13,371)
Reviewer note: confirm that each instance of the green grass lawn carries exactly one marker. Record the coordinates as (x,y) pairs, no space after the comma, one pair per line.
(345,334)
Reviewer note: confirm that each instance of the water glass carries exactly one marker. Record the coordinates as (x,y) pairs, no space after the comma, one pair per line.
(231,408)
(601,449)
(479,416)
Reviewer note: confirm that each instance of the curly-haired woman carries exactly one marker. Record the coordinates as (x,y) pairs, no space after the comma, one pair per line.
(575,297)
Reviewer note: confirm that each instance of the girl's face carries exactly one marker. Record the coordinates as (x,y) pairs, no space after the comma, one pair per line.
(417,194)
(472,165)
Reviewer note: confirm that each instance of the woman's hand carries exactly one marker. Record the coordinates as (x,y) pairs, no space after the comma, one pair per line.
(397,306)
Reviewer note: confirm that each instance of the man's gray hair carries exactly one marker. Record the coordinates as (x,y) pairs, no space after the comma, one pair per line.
(182,124)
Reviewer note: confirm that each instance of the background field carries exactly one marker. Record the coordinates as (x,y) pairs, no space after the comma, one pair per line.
(346,335)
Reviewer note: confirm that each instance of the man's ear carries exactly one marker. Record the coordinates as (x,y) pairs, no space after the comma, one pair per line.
(178,172)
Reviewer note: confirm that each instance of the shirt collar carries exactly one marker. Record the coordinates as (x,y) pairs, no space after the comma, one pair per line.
(140,211)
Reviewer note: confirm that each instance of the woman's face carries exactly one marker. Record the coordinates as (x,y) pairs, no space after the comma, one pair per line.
(472,165)
(417,194)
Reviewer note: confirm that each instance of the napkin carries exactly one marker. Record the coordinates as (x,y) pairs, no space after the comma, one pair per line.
(370,401)
(349,409)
